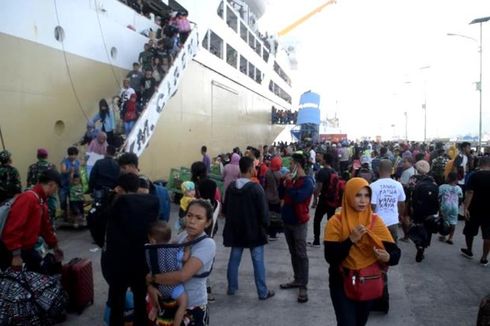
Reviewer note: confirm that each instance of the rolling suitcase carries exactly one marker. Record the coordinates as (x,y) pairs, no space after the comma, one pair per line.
(78,282)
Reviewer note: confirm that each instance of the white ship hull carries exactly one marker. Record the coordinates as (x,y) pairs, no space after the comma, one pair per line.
(47,94)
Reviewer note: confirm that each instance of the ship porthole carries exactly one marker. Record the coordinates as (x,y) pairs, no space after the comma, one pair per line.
(59,127)
(59,33)
(113,52)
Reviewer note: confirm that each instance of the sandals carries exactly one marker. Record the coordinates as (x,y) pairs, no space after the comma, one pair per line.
(302,296)
(270,294)
(290,285)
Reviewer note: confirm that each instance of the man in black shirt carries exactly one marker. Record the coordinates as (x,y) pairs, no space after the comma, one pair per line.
(325,204)
(148,86)
(105,172)
(476,210)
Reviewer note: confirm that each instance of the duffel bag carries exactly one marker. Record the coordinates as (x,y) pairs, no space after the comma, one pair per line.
(30,298)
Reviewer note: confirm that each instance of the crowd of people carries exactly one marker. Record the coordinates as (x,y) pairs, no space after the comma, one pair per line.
(113,122)
(366,190)
(284,117)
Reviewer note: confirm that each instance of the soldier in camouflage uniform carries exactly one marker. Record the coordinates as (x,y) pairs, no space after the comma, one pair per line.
(9,177)
(35,171)
(39,167)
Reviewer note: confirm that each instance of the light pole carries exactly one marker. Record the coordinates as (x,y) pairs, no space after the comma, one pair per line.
(406,125)
(479,88)
(424,105)
(480,21)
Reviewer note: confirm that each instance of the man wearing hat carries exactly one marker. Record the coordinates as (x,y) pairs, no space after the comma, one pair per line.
(27,220)
(9,177)
(33,173)
(39,167)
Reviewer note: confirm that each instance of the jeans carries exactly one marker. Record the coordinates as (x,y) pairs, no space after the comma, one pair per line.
(296,239)
(321,209)
(63,194)
(128,126)
(257,254)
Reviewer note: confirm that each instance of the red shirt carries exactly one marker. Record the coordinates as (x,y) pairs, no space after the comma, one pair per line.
(27,220)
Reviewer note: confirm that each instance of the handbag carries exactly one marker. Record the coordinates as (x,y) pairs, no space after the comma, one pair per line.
(367,283)
(364,284)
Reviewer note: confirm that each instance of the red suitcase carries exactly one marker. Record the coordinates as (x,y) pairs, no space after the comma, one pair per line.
(78,281)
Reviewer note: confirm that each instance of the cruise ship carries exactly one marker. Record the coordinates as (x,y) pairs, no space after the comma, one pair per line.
(60,57)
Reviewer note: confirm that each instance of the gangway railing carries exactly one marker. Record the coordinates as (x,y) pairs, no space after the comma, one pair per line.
(144,128)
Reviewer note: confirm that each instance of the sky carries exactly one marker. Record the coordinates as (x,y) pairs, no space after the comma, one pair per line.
(366,59)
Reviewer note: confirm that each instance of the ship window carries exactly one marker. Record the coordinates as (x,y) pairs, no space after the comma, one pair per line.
(243,32)
(258,49)
(59,127)
(231,56)
(265,55)
(59,33)
(205,41)
(220,10)
(231,19)
(243,65)
(113,52)
(251,71)
(216,45)
(258,76)
(251,40)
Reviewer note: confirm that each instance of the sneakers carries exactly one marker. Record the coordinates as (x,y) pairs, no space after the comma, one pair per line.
(273,238)
(314,244)
(420,255)
(466,253)
(484,262)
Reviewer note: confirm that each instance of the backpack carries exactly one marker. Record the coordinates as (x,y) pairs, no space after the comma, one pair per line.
(334,192)
(5,210)
(425,198)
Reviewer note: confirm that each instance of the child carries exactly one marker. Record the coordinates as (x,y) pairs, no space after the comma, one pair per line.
(450,195)
(189,193)
(76,199)
(160,233)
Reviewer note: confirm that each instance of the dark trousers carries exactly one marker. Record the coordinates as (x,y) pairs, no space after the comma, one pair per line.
(117,298)
(296,239)
(119,281)
(348,312)
(31,257)
(321,209)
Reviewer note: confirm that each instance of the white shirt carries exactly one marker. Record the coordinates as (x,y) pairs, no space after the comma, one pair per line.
(312,156)
(464,164)
(126,94)
(386,193)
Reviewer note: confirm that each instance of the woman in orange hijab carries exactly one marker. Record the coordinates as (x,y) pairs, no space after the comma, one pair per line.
(355,238)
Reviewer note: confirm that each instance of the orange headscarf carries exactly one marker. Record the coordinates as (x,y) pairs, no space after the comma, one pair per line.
(340,226)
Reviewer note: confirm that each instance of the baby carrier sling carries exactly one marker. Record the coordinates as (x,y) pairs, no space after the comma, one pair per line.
(162,258)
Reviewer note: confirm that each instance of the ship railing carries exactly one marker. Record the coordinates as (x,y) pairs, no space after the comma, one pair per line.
(144,128)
